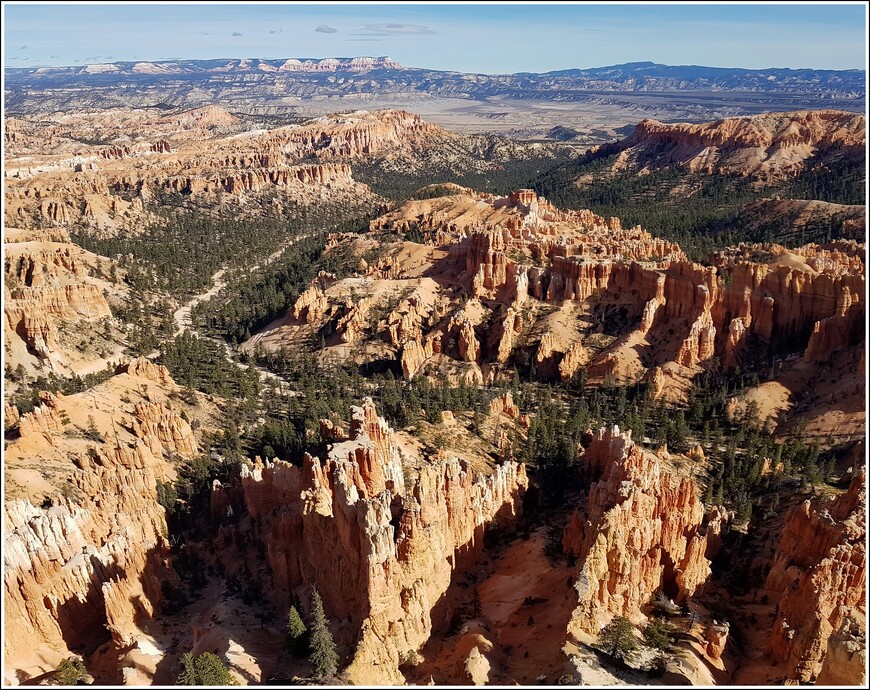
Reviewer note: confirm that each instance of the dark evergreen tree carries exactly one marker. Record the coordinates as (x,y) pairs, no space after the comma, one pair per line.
(323,656)
(204,669)
(297,642)
(617,638)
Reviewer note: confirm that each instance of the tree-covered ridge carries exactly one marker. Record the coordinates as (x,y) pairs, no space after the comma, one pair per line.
(252,300)
(701,212)
(499,167)
(180,253)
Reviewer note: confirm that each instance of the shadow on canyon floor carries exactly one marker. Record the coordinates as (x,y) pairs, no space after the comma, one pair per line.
(509,601)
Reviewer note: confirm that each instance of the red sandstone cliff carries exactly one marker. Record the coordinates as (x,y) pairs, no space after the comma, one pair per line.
(820,567)
(110,188)
(92,554)
(766,146)
(49,286)
(522,259)
(643,530)
(382,553)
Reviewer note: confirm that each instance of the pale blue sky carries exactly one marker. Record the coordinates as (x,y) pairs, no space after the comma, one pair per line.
(489,38)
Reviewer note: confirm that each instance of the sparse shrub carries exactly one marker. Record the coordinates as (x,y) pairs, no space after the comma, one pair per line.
(409,658)
(69,671)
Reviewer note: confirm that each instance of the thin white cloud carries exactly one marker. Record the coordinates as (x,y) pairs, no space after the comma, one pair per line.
(326,29)
(392,29)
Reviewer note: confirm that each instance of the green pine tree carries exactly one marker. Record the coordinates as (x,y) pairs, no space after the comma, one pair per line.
(323,657)
(617,638)
(296,633)
(204,669)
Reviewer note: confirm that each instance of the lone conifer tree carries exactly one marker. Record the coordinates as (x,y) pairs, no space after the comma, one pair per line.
(617,639)
(323,656)
(296,633)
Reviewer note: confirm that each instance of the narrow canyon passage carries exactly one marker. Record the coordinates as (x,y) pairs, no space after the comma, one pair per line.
(510,620)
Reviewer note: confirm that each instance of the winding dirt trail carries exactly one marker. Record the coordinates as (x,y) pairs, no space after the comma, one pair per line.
(184,322)
(182,314)
(181,317)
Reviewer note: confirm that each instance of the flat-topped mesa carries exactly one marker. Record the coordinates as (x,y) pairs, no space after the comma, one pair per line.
(352,135)
(252,162)
(767,146)
(356,64)
(820,570)
(810,127)
(643,531)
(380,552)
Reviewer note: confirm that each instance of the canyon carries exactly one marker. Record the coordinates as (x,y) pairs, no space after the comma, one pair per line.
(170,504)
(545,283)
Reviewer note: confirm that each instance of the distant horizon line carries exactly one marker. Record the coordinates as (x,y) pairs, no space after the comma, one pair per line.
(317,60)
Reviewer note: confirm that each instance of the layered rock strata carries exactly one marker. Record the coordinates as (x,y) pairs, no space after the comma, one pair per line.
(755,298)
(49,285)
(105,190)
(92,556)
(820,567)
(643,531)
(382,553)
(768,146)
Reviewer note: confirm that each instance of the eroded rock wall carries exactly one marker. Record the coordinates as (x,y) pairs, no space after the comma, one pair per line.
(643,530)
(820,568)
(381,553)
(93,556)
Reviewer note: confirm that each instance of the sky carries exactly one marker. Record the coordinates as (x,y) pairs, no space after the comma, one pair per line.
(490,38)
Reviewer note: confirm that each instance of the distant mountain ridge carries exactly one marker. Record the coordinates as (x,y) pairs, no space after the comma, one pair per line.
(190,83)
(218,66)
